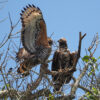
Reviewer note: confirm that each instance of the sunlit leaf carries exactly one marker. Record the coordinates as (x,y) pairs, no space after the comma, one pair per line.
(86,58)
(94,59)
(51,97)
(8,85)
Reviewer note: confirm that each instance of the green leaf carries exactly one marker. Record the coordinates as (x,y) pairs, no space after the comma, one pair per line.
(90,73)
(92,70)
(86,58)
(94,59)
(8,85)
(96,66)
(3,87)
(95,90)
(51,97)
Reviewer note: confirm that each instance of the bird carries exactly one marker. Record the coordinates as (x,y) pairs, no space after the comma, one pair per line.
(62,61)
(37,46)
(28,60)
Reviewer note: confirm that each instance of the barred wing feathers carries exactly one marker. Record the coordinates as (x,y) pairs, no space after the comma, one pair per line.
(34,31)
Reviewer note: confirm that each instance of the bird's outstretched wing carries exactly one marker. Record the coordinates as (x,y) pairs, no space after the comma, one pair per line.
(34,32)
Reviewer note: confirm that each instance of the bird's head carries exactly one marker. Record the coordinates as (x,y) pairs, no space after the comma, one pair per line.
(50,41)
(62,43)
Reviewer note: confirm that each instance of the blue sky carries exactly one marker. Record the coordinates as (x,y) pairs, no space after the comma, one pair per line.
(64,18)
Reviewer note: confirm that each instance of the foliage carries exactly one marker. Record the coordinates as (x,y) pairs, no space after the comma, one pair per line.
(93,65)
(96,95)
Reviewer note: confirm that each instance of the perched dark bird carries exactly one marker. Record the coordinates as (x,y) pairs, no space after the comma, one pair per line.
(62,60)
(36,45)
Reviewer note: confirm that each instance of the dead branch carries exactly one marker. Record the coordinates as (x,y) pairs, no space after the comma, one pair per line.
(42,92)
(68,71)
(5,93)
(81,87)
(95,43)
(3,20)
(2,66)
(79,47)
(68,97)
(35,84)
(10,33)
(76,84)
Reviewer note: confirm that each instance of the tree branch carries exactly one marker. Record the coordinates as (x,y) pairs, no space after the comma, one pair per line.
(68,97)
(75,86)
(5,93)
(35,84)
(79,47)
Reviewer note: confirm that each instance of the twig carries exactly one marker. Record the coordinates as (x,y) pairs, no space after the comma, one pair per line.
(75,86)
(81,87)
(43,92)
(95,43)
(16,33)
(68,97)
(3,20)
(10,33)
(35,84)
(79,47)
(5,93)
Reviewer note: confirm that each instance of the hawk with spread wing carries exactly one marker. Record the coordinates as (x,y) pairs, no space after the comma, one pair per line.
(36,45)
(62,61)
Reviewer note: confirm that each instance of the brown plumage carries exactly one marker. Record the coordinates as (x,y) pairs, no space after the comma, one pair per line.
(36,45)
(23,54)
(62,61)
(34,33)
(28,60)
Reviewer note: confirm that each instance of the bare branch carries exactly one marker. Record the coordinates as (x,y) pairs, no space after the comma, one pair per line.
(81,87)
(77,81)
(35,84)
(5,93)
(3,20)
(10,33)
(79,47)
(75,86)
(68,97)
(95,43)
(43,92)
